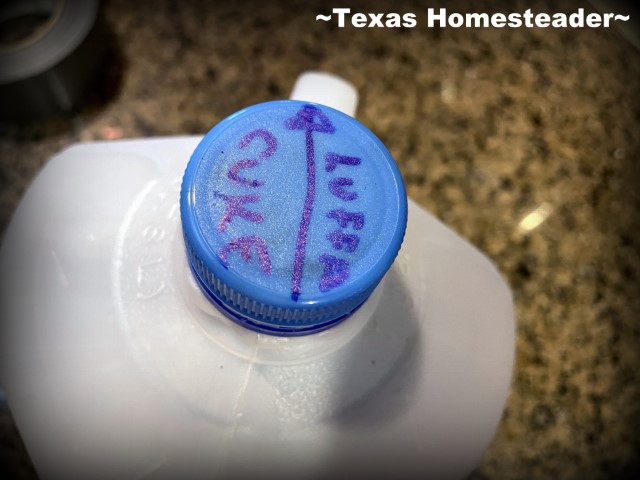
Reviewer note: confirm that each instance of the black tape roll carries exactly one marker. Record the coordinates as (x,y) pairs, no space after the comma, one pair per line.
(48,69)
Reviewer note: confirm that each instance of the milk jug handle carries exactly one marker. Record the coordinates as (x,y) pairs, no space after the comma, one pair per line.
(326,89)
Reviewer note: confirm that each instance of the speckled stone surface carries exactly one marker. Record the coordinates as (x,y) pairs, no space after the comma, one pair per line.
(494,131)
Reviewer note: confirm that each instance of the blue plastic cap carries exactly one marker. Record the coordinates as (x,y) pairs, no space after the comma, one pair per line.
(292,213)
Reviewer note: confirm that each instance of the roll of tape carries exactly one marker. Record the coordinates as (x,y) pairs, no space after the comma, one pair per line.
(50,51)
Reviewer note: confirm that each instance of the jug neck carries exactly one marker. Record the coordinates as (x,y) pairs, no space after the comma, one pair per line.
(258,347)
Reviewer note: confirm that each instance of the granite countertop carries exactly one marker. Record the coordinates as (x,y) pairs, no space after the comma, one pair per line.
(525,141)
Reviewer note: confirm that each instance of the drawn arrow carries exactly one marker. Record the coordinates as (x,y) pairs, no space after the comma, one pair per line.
(310,119)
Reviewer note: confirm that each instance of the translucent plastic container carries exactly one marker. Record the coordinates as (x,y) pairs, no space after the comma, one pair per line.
(117,365)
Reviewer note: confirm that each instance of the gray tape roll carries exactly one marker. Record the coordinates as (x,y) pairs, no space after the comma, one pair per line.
(49,70)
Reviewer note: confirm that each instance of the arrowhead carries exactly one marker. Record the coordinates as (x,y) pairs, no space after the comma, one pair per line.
(310,118)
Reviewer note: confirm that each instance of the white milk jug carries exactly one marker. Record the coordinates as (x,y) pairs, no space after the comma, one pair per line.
(236,322)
